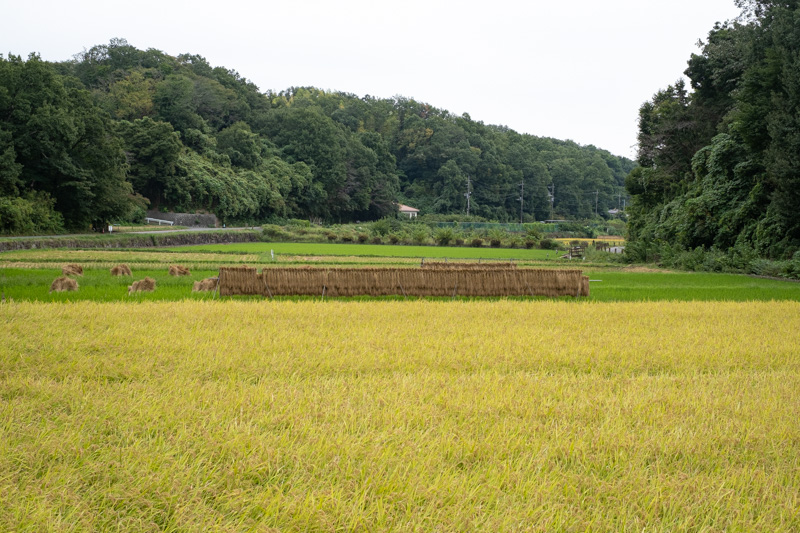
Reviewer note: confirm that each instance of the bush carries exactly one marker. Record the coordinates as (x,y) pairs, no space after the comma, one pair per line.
(347,238)
(363,237)
(377,240)
(476,242)
(274,232)
(393,238)
(459,241)
(332,236)
(420,235)
(533,234)
(32,214)
(548,244)
(385,226)
(298,222)
(765,267)
(530,243)
(496,236)
(443,236)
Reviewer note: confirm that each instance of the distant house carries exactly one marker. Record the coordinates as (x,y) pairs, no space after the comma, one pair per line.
(408,211)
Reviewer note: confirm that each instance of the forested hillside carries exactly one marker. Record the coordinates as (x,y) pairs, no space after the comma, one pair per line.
(118,129)
(720,165)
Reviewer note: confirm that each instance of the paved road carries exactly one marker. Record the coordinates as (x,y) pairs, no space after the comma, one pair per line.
(184,230)
(255,228)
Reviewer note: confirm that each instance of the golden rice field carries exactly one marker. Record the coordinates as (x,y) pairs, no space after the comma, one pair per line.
(400,416)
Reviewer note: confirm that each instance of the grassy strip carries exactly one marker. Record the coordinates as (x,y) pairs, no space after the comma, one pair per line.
(113,240)
(98,285)
(397,416)
(380,250)
(122,256)
(687,286)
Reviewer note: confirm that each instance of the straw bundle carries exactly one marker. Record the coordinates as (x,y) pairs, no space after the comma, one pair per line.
(72,270)
(178,270)
(208,284)
(121,270)
(240,280)
(465,266)
(403,281)
(147,284)
(299,281)
(63,284)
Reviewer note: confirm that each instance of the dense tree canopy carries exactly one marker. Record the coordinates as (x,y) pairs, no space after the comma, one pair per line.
(720,167)
(116,128)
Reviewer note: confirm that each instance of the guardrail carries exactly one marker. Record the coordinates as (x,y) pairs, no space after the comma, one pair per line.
(149,220)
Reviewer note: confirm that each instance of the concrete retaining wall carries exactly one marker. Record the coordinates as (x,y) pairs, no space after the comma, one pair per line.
(186,219)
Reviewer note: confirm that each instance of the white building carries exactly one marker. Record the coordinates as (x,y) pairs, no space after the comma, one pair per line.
(408,211)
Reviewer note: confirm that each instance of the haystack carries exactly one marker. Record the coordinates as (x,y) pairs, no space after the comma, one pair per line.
(121,270)
(72,270)
(63,284)
(240,280)
(466,266)
(208,284)
(178,270)
(147,284)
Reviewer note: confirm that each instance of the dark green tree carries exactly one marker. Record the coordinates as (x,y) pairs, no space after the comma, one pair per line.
(61,143)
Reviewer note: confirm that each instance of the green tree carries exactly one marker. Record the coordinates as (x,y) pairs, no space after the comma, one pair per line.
(61,143)
(241,145)
(153,149)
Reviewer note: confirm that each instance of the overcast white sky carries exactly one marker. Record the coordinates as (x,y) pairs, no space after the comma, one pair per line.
(574,70)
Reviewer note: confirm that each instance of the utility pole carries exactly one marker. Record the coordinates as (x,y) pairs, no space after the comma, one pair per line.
(551,190)
(521,196)
(596,196)
(468,194)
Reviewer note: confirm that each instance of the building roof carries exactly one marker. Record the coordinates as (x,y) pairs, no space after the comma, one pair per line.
(407,209)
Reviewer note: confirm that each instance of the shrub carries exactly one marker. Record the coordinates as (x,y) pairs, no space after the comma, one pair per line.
(530,243)
(477,242)
(274,232)
(347,238)
(496,236)
(377,240)
(363,237)
(35,213)
(459,241)
(393,238)
(443,236)
(533,234)
(548,244)
(765,267)
(381,227)
(332,236)
(420,235)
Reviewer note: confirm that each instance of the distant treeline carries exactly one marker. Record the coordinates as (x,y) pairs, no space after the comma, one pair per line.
(719,182)
(117,129)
